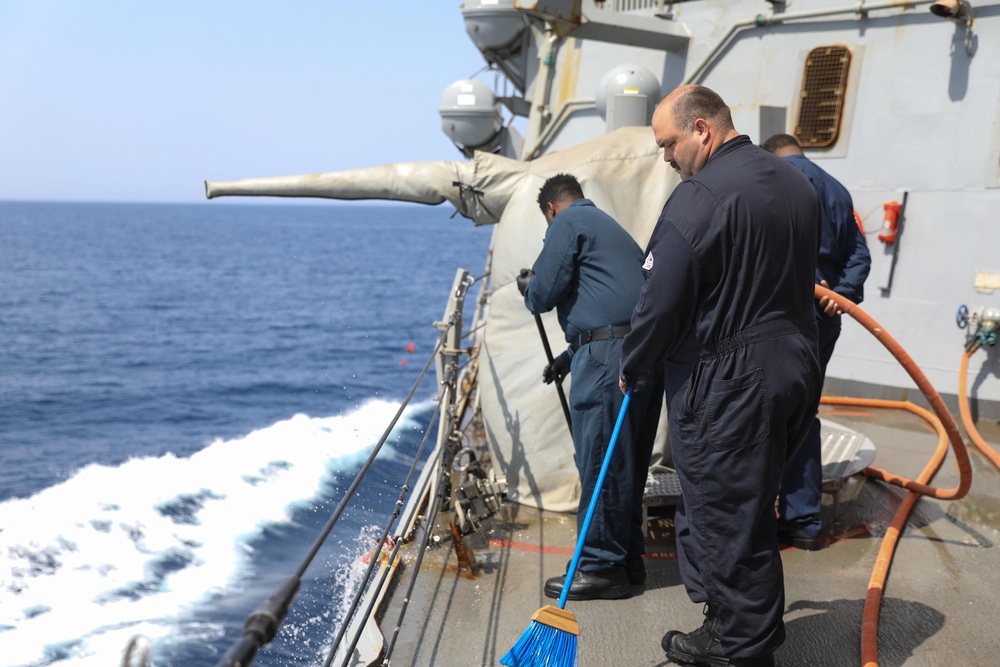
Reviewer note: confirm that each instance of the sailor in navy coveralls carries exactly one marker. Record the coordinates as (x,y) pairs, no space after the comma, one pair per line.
(589,271)
(731,261)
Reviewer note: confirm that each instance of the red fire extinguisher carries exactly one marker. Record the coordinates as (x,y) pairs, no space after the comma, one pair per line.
(890,222)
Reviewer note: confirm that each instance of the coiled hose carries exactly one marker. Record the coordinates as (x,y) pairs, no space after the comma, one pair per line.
(947,431)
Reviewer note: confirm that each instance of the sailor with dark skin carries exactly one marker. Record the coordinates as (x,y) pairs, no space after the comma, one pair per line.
(843,265)
(730,262)
(589,271)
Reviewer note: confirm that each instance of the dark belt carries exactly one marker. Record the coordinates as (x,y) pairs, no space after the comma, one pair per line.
(604,333)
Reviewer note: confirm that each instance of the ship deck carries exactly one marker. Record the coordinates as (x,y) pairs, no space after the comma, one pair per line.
(940,604)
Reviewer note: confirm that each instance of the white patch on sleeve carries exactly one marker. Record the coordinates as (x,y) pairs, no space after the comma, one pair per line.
(648,264)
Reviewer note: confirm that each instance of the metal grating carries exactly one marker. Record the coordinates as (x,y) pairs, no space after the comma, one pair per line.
(840,449)
(662,487)
(623,6)
(845,452)
(824,82)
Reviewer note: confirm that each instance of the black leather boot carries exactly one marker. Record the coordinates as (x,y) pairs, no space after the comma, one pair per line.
(800,539)
(699,647)
(610,584)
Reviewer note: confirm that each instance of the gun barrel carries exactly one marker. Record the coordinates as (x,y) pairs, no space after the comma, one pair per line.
(418,182)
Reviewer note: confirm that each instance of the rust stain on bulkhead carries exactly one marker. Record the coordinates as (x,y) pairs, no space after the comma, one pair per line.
(568,73)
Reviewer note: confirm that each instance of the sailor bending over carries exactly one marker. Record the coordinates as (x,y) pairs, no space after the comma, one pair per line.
(589,270)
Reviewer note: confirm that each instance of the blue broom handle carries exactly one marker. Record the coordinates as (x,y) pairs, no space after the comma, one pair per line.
(593,498)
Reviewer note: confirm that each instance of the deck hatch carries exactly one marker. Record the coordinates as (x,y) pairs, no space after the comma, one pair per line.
(824,82)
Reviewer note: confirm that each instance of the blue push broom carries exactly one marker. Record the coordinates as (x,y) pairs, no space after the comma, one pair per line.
(550,640)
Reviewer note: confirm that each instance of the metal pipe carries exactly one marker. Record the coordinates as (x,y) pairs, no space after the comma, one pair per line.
(541,97)
(759,21)
(565,111)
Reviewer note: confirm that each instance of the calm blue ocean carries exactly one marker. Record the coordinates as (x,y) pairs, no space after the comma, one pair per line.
(185,393)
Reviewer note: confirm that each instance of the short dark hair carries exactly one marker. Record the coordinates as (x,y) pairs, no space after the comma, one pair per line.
(780,141)
(558,188)
(701,102)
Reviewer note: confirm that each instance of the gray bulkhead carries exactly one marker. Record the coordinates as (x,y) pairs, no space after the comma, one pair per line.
(919,121)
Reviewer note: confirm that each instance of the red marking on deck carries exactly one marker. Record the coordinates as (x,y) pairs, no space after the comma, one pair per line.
(566,551)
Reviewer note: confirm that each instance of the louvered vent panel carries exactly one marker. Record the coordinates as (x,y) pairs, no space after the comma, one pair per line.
(823,84)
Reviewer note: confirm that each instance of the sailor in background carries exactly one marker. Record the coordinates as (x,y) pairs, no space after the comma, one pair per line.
(731,259)
(589,271)
(843,265)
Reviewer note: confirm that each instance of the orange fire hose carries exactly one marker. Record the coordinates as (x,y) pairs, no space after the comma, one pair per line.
(947,430)
(963,409)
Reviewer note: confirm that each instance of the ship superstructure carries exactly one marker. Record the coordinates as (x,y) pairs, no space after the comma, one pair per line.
(898,99)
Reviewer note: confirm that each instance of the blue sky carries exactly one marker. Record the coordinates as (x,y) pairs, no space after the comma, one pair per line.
(143,100)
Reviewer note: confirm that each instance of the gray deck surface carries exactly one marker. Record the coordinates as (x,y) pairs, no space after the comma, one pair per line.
(940,607)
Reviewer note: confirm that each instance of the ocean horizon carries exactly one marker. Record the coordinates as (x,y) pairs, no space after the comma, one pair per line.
(187,391)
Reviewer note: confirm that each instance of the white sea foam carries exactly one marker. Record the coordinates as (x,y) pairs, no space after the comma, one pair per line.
(118,551)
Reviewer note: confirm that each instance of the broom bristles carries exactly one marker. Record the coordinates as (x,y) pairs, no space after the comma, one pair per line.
(549,641)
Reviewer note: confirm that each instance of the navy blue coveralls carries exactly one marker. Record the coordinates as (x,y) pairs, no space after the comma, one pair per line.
(844,262)
(732,260)
(590,271)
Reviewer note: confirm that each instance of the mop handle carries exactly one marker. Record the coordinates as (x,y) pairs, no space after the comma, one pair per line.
(593,498)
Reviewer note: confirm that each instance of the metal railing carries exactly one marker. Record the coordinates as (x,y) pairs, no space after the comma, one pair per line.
(264,623)
(431,493)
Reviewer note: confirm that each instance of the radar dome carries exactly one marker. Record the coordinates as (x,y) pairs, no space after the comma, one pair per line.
(493,24)
(469,113)
(627,95)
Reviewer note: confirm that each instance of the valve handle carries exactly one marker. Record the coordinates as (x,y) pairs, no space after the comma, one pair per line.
(962,316)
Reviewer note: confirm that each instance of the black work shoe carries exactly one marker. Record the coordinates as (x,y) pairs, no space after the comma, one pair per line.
(800,539)
(610,584)
(636,569)
(700,647)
